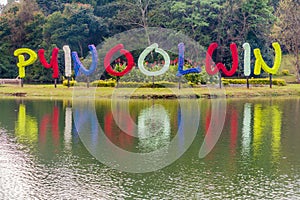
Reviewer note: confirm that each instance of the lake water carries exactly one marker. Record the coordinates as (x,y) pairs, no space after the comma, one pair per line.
(43,154)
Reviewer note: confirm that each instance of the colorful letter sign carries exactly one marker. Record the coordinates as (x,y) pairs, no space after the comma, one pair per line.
(68,61)
(247,59)
(22,63)
(53,63)
(147,51)
(79,66)
(260,63)
(127,54)
(182,72)
(220,66)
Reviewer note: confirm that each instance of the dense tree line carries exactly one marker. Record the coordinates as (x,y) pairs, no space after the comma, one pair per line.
(45,24)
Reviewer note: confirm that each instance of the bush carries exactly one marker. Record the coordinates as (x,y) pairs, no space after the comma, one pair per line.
(104,83)
(130,84)
(285,72)
(72,83)
(159,84)
(256,81)
(135,75)
(279,82)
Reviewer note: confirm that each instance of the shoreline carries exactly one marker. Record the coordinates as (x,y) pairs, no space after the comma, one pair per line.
(210,92)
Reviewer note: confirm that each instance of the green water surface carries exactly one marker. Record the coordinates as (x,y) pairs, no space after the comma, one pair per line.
(256,157)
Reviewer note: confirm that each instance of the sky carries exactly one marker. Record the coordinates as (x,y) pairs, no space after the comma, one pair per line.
(3,1)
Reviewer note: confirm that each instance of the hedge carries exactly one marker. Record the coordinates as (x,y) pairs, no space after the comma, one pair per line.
(104,83)
(72,83)
(255,81)
(285,72)
(113,83)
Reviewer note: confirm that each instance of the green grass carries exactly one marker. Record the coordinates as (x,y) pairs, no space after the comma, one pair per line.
(61,92)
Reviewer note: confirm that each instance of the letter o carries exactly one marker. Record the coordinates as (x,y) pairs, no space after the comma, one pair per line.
(157,50)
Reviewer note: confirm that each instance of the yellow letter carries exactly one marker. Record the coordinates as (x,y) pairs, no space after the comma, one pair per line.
(22,62)
(260,63)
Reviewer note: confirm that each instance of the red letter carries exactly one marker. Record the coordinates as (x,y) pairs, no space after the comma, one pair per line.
(220,66)
(53,63)
(127,54)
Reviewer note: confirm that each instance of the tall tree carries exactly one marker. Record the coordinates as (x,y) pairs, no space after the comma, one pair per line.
(287,29)
(27,14)
(244,21)
(76,26)
(20,26)
(134,14)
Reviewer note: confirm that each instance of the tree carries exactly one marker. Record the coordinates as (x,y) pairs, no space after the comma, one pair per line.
(244,21)
(76,26)
(287,29)
(134,14)
(20,26)
(49,7)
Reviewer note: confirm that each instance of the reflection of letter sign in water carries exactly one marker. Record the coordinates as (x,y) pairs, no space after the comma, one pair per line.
(258,125)
(267,119)
(26,127)
(276,133)
(68,128)
(117,136)
(247,129)
(234,131)
(54,120)
(88,120)
(154,129)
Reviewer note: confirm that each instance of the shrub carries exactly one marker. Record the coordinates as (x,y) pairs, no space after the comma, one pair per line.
(72,83)
(225,82)
(159,84)
(256,81)
(135,75)
(285,72)
(130,84)
(279,82)
(104,83)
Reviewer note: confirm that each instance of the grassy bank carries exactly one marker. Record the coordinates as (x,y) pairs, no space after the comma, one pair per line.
(61,92)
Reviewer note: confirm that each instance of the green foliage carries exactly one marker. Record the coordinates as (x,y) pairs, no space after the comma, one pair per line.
(193,79)
(205,78)
(20,26)
(159,84)
(135,75)
(76,26)
(113,83)
(130,84)
(44,24)
(286,30)
(256,81)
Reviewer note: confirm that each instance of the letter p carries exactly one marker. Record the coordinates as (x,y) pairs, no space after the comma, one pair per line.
(22,63)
